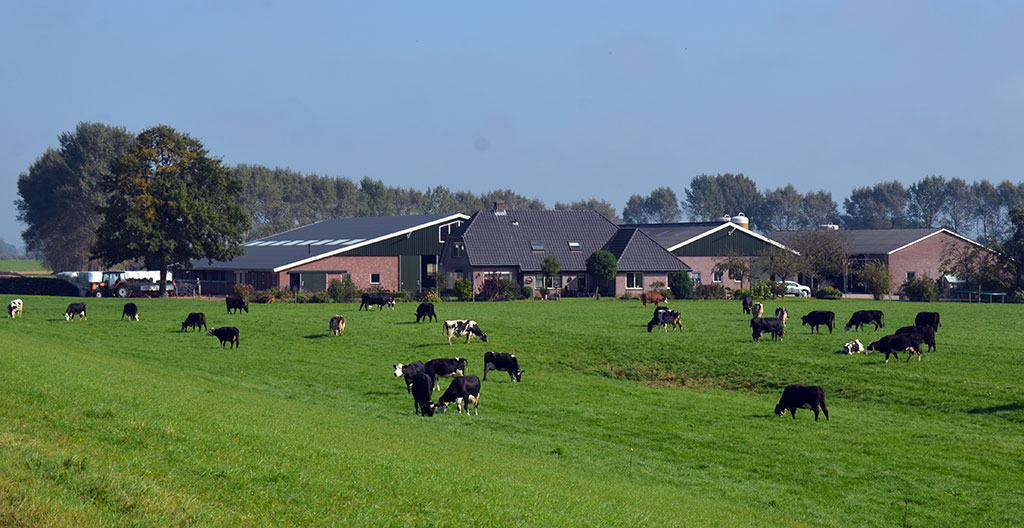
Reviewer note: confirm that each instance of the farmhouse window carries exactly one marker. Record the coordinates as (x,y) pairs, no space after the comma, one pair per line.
(634,281)
(716,277)
(695,277)
(549,282)
(375,278)
(458,249)
(581,282)
(911,275)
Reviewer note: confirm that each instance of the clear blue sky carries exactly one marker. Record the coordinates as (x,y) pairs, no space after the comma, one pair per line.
(556,100)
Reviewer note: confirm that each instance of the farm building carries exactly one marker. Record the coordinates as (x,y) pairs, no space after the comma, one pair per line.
(908,253)
(514,244)
(703,244)
(388,252)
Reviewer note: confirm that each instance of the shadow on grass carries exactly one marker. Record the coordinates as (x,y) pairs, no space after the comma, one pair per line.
(999,408)
(319,336)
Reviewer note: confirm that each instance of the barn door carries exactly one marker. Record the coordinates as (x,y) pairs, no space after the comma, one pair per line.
(409,273)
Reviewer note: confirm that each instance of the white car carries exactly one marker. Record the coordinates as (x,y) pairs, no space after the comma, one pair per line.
(792,288)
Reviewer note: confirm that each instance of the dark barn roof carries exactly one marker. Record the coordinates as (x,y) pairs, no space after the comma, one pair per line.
(635,251)
(874,241)
(676,236)
(324,239)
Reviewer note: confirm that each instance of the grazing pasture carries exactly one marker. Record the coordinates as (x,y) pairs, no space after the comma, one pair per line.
(105,424)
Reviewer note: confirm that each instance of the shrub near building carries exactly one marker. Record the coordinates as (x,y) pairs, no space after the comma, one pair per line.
(921,288)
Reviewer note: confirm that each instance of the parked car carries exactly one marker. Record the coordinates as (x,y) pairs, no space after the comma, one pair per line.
(793,288)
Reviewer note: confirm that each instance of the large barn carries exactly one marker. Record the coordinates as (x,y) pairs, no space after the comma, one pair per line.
(386,252)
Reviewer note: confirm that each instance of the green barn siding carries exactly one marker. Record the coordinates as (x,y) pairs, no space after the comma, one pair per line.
(422,242)
(721,243)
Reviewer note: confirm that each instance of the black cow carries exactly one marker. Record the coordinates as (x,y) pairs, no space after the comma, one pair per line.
(818,318)
(381,300)
(237,304)
(409,371)
(463,390)
(863,317)
(927,319)
(748,303)
(226,334)
(445,368)
(664,317)
(131,311)
(194,319)
(925,333)
(426,310)
(463,327)
(503,361)
(73,310)
(422,389)
(898,343)
(773,325)
(802,397)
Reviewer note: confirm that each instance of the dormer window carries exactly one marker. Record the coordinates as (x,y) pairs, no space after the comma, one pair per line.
(536,245)
(575,246)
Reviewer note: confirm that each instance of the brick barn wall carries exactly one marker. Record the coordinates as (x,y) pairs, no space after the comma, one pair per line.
(704,265)
(649,277)
(922,258)
(359,268)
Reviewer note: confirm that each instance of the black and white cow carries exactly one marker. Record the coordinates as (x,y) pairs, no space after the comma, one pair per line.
(380,300)
(226,334)
(463,390)
(237,304)
(503,361)
(426,310)
(463,327)
(73,310)
(15,308)
(409,372)
(664,317)
(195,320)
(757,310)
(782,314)
(818,318)
(864,317)
(131,311)
(927,319)
(422,392)
(336,324)
(801,397)
(898,343)
(925,333)
(772,325)
(445,368)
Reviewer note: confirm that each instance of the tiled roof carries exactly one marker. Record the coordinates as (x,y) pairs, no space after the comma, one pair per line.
(869,241)
(635,251)
(673,236)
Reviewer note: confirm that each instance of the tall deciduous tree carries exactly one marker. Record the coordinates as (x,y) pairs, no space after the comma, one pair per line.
(818,208)
(709,197)
(821,254)
(170,202)
(879,207)
(661,206)
(958,206)
(925,200)
(60,194)
(592,204)
(781,211)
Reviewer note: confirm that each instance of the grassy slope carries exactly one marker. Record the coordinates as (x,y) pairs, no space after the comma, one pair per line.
(103,422)
(22,265)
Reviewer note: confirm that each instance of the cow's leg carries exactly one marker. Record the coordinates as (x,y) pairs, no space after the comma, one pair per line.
(815,409)
(792,412)
(476,406)
(823,408)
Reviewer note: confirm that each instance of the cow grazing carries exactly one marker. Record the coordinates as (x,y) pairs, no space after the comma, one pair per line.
(757,310)
(226,334)
(782,314)
(15,308)
(422,390)
(854,347)
(748,303)
(409,372)
(380,300)
(463,327)
(818,318)
(801,397)
(426,310)
(898,343)
(463,390)
(131,311)
(336,325)
(503,361)
(771,325)
(927,319)
(664,317)
(194,320)
(925,333)
(237,304)
(863,317)
(73,310)
(445,368)
(652,297)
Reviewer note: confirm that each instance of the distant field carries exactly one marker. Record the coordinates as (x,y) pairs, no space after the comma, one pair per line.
(104,422)
(22,265)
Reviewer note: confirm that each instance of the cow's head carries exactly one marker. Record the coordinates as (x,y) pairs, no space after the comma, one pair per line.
(848,327)
(475,328)
(68,316)
(398,370)
(427,409)
(780,411)
(246,307)
(518,375)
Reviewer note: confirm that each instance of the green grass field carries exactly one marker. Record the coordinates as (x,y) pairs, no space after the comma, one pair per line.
(23,265)
(111,423)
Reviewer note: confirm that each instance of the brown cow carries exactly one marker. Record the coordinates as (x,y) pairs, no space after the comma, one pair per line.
(653,297)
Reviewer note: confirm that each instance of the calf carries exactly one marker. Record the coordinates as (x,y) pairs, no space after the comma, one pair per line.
(409,372)
(226,334)
(422,389)
(336,325)
(465,389)
(772,325)
(898,343)
(748,303)
(818,318)
(863,317)
(503,361)
(782,314)
(854,347)
(15,308)
(131,311)
(237,304)
(926,334)
(463,327)
(652,297)
(426,310)
(445,368)
(802,397)
(927,319)
(757,310)
(381,300)
(73,310)
(195,320)
(664,317)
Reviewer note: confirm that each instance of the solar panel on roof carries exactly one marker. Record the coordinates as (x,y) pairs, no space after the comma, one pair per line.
(279,242)
(321,242)
(337,242)
(293,243)
(354,241)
